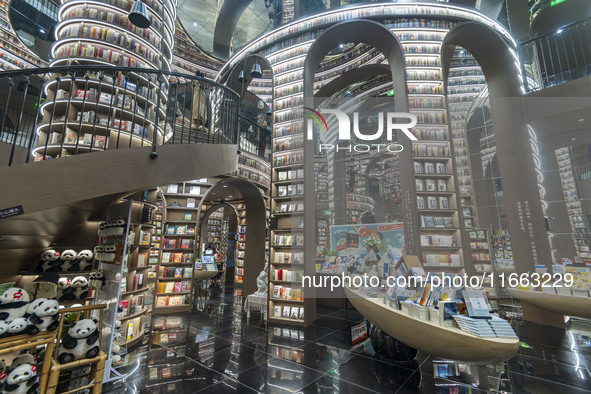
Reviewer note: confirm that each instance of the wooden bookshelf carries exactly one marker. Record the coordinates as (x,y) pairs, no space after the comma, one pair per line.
(179,246)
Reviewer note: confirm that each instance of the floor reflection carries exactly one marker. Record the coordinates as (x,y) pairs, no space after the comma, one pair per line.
(215,349)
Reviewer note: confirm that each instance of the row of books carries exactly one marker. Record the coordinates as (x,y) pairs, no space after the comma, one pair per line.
(431,185)
(451,260)
(137,282)
(430,151)
(180,230)
(253,176)
(479,245)
(290,190)
(288,240)
(436,221)
(289,312)
(288,258)
(288,293)
(290,175)
(256,164)
(495,327)
(174,287)
(131,306)
(441,241)
(290,158)
(480,256)
(71,138)
(176,258)
(289,129)
(190,189)
(432,202)
(287,275)
(171,243)
(170,272)
(295,143)
(429,168)
(289,207)
(180,300)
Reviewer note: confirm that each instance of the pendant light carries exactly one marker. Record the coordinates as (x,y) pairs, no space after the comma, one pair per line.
(242,77)
(138,16)
(256,71)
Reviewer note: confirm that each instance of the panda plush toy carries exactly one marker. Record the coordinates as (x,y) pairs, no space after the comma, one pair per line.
(22,376)
(69,261)
(97,279)
(44,316)
(3,375)
(17,326)
(13,303)
(3,330)
(80,287)
(81,341)
(65,292)
(84,260)
(49,262)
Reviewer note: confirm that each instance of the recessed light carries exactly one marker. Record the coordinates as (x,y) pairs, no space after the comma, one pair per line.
(41,30)
(558,31)
(195,22)
(582,120)
(573,139)
(341,46)
(224,185)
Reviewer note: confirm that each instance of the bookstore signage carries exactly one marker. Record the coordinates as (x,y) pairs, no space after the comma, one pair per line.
(392,120)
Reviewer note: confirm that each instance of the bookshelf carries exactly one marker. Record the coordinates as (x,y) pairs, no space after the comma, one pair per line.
(576,214)
(134,302)
(118,108)
(179,246)
(169,365)
(14,54)
(240,242)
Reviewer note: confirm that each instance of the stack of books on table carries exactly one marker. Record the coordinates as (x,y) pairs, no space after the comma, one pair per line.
(478,327)
(502,328)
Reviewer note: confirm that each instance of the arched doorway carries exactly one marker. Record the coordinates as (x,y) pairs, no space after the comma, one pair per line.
(248,205)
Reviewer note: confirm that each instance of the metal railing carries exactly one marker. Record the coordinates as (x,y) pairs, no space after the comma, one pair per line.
(557,57)
(255,139)
(48,113)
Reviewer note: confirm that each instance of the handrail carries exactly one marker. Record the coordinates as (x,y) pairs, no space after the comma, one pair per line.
(557,57)
(555,30)
(52,112)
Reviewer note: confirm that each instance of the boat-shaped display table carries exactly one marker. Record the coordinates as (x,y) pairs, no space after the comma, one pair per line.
(200,275)
(558,303)
(445,342)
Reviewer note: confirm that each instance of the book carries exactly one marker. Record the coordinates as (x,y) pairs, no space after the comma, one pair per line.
(277,311)
(419,185)
(282,191)
(190,203)
(174,188)
(430,185)
(188,216)
(286,311)
(441,185)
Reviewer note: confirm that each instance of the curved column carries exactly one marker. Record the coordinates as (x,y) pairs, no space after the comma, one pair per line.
(522,200)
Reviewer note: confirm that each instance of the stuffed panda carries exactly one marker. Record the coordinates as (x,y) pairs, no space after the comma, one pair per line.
(97,279)
(84,260)
(80,287)
(44,316)
(3,330)
(81,341)
(69,261)
(32,306)
(17,326)
(22,378)
(3,375)
(49,261)
(13,303)
(65,292)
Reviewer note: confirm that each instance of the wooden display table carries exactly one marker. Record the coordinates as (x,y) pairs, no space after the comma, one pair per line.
(558,303)
(445,342)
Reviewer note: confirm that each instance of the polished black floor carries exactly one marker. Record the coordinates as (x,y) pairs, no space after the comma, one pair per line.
(217,350)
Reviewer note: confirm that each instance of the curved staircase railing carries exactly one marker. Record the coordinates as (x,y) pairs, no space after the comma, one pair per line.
(48,113)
